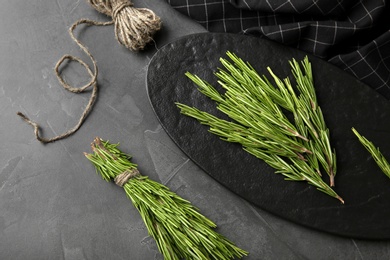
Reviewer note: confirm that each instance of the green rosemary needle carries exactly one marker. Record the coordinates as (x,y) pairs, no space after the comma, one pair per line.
(299,149)
(375,153)
(179,230)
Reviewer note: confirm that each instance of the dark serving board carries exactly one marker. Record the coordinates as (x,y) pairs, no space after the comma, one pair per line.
(345,102)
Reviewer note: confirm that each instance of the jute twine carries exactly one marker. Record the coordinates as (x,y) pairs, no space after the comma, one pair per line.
(134,28)
(125,176)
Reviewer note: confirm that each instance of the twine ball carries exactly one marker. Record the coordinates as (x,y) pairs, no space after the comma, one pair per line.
(134,27)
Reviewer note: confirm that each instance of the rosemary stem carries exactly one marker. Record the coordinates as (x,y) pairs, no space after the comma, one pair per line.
(261,112)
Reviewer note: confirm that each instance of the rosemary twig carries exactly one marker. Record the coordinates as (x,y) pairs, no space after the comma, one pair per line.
(375,153)
(278,155)
(179,230)
(261,126)
(306,111)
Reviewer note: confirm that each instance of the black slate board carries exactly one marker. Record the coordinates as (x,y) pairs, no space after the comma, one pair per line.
(345,102)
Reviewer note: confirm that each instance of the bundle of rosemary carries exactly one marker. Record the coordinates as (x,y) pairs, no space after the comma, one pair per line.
(297,148)
(179,230)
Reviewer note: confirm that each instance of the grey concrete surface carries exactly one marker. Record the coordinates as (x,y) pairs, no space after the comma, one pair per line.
(54,206)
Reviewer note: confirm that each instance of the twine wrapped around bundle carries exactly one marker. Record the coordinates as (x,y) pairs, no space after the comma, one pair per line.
(134,28)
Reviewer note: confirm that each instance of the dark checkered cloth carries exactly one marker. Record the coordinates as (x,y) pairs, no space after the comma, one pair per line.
(353,35)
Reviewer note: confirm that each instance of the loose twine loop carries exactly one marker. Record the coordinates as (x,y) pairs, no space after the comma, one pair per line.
(134,28)
(125,176)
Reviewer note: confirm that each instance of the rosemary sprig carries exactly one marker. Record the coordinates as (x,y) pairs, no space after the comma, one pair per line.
(278,155)
(304,107)
(179,230)
(375,153)
(261,125)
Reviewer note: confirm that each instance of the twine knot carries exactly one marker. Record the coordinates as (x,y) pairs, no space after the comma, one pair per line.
(125,176)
